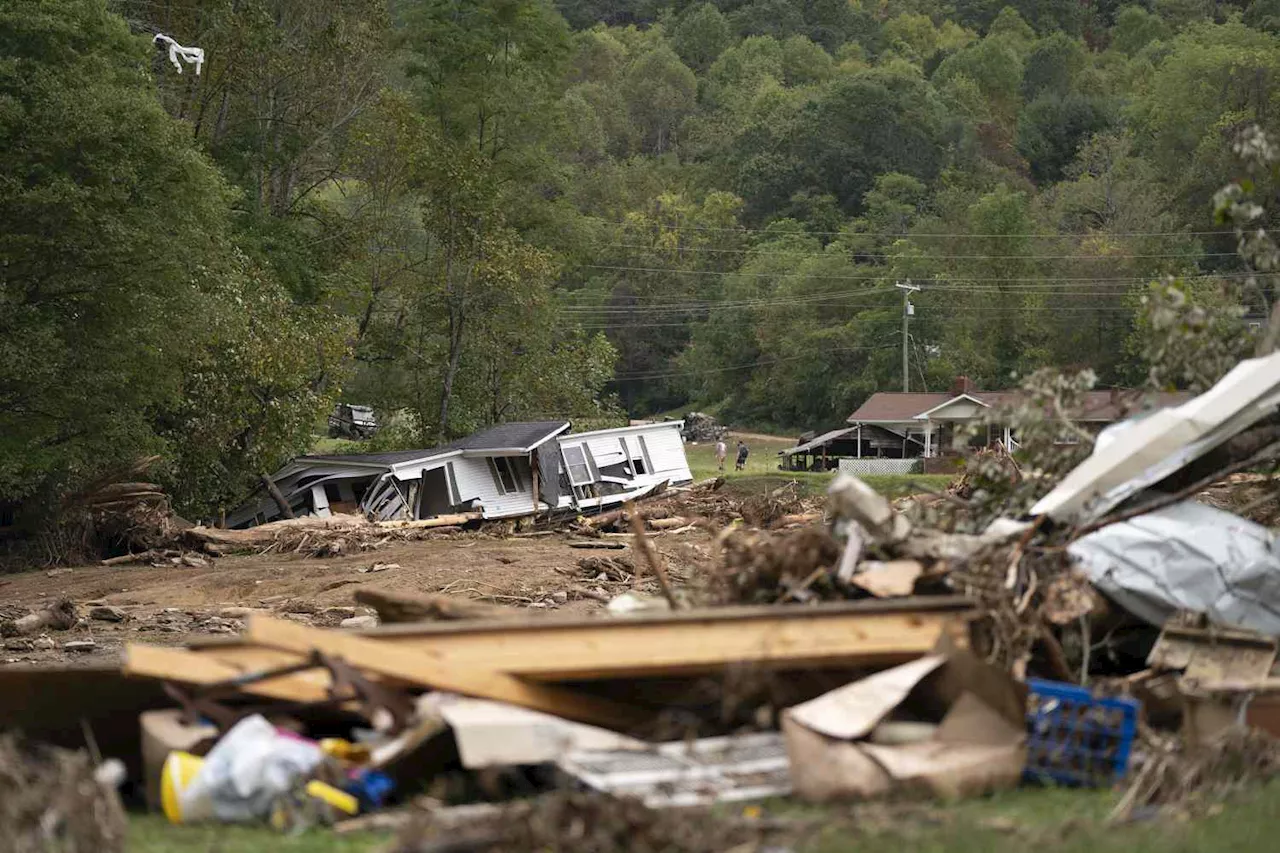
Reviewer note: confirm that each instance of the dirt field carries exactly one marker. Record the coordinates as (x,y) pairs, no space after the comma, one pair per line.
(170,604)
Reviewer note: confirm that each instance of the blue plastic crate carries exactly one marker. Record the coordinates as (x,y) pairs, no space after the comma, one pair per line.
(1074,738)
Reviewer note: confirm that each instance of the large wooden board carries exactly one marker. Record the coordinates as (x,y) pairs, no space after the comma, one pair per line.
(868,633)
(141,660)
(376,655)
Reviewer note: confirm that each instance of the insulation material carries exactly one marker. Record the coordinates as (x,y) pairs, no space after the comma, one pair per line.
(1188,557)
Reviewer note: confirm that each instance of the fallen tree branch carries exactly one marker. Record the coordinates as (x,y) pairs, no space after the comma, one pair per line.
(653,559)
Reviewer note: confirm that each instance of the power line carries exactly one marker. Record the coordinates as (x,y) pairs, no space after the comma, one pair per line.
(760,363)
(806,233)
(805,254)
(882,277)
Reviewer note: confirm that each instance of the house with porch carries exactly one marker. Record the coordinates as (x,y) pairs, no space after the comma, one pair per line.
(931,423)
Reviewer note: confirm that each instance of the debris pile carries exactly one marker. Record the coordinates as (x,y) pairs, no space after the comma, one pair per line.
(700,427)
(1118,633)
(55,799)
(119,512)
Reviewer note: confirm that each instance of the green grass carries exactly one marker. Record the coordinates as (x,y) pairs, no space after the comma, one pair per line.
(154,834)
(1044,821)
(762,473)
(322,445)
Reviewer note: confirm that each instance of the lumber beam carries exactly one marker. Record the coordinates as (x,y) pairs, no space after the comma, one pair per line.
(417,666)
(872,633)
(141,660)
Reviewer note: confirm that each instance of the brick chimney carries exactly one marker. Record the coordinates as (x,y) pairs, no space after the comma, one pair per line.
(961,385)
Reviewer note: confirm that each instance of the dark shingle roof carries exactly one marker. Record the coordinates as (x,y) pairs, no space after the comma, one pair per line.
(514,436)
(517,436)
(394,457)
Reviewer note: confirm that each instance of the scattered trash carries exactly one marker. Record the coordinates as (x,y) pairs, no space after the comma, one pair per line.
(242,778)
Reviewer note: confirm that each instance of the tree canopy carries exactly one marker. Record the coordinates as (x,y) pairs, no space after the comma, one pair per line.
(469,211)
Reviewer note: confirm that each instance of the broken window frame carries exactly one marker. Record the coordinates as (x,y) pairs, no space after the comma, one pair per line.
(500,465)
(584,464)
(637,462)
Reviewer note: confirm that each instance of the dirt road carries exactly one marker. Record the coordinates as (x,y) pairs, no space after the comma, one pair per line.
(170,604)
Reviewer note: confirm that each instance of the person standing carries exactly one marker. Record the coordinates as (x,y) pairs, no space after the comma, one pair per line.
(721,452)
(742,456)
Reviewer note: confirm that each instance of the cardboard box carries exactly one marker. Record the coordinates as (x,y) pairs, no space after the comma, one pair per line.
(978,744)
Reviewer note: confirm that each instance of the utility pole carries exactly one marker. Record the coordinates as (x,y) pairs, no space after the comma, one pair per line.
(907,310)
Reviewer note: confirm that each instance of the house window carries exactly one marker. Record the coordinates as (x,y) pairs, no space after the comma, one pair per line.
(634,456)
(1067,436)
(575,461)
(505,474)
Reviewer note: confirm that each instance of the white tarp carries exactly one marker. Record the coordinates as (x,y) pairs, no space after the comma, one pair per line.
(1146,451)
(1188,557)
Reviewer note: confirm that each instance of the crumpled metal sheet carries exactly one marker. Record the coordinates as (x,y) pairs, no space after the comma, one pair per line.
(1188,556)
(1135,456)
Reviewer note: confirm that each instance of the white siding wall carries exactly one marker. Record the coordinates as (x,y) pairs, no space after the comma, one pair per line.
(662,441)
(666,452)
(475,482)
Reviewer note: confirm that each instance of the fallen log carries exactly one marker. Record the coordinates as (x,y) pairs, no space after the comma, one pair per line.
(437,521)
(265,534)
(667,523)
(393,607)
(141,557)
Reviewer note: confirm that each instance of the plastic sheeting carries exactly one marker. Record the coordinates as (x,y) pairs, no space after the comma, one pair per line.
(1188,557)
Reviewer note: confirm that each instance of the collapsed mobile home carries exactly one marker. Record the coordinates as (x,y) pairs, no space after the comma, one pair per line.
(507,471)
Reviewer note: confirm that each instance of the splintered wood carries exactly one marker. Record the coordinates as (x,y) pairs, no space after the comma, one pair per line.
(520,660)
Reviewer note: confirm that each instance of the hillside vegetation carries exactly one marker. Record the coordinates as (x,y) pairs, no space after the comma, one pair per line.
(483,210)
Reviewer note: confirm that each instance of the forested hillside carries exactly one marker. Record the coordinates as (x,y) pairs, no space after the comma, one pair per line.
(483,210)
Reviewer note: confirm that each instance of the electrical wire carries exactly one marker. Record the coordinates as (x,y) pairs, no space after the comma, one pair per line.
(803,254)
(942,235)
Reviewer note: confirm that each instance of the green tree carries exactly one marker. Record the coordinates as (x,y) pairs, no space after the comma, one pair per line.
(661,92)
(701,36)
(1135,28)
(120,290)
(1053,126)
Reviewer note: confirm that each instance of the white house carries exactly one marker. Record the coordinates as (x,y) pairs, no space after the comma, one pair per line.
(506,471)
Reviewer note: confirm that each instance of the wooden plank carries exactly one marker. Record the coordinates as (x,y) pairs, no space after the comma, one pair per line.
(191,668)
(418,667)
(695,641)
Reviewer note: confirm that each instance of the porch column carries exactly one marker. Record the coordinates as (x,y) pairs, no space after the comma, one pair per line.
(928,438)
(1007,436)
(859,441)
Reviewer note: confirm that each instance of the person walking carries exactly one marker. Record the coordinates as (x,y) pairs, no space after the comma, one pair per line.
(721,452)
(742,456)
